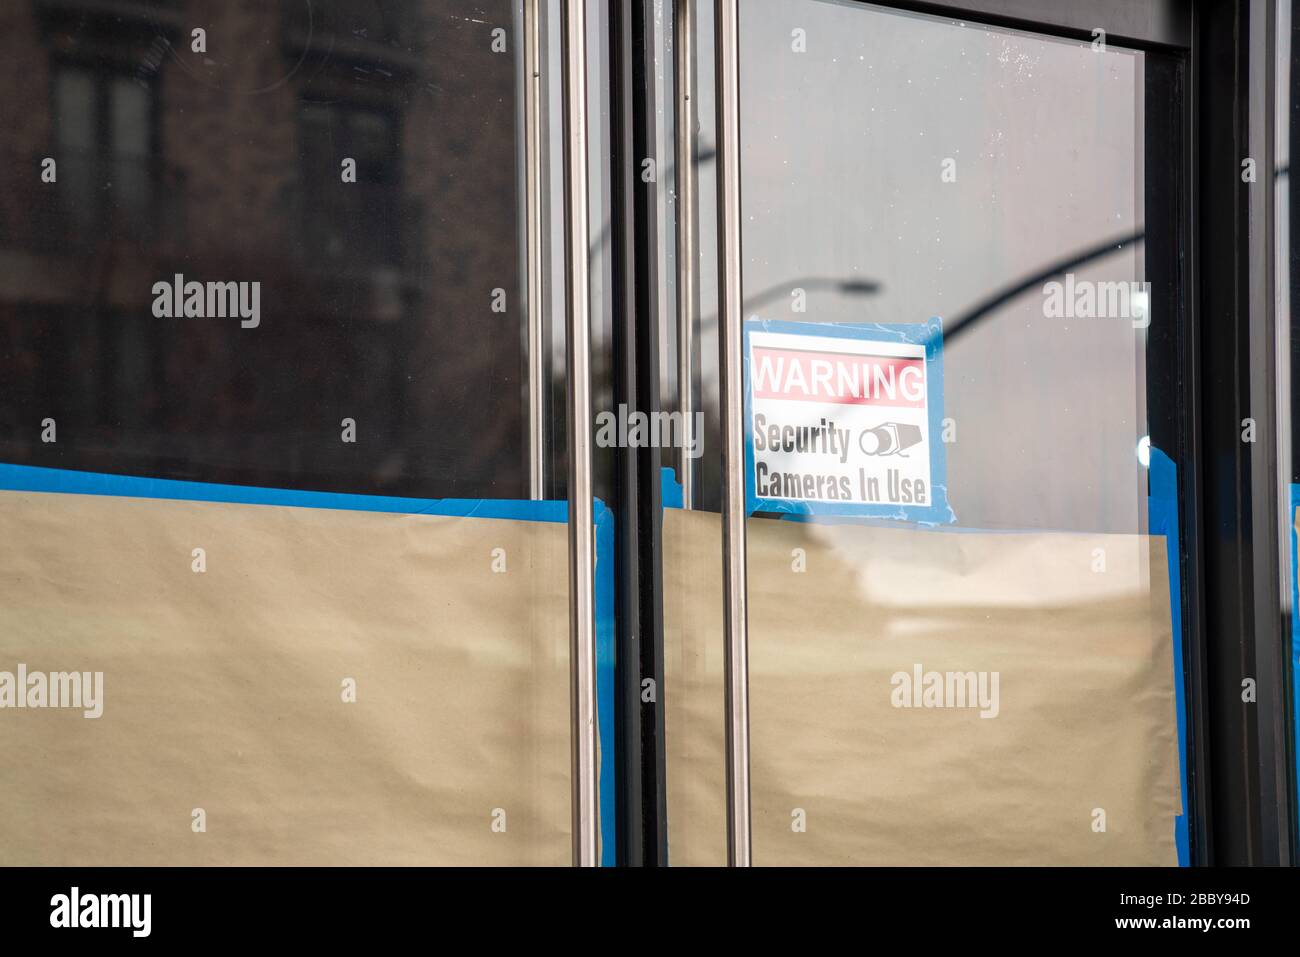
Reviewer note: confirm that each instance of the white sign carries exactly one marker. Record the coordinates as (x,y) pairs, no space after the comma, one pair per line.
(842,423)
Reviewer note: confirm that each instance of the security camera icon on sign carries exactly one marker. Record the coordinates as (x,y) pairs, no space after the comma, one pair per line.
(892,438)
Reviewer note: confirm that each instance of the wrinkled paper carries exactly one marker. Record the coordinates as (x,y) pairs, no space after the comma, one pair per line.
(1086,718)
(223,690)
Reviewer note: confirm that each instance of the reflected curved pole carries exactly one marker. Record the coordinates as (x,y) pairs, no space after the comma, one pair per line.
(847,287)
(965,320)
(983,309)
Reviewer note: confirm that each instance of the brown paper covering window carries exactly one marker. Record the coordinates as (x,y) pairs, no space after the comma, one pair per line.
(1086,718)
(223,689)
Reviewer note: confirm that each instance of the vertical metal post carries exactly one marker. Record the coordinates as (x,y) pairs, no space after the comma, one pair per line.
(736,660)
(582,618)
(533,190)
(1271,715)
(684,132)
(1283,237)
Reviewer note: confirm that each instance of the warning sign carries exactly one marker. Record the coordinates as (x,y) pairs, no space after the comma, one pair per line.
(845,419)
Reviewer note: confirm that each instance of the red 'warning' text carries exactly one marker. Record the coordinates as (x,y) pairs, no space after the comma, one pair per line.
(846,378)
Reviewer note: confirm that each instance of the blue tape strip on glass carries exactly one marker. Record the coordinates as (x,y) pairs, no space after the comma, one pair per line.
(1162,513)
(26,478)
(1295,608)
(844,419)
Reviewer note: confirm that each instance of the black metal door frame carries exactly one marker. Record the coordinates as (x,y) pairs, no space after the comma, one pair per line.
(1250,815)
(640,802)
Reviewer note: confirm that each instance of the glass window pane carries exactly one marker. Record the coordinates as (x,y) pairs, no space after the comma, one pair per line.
(372,306)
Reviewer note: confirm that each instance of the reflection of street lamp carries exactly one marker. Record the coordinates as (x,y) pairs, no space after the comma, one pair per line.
(846,287)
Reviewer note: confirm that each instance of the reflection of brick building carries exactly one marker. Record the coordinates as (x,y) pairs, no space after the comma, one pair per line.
(225,165)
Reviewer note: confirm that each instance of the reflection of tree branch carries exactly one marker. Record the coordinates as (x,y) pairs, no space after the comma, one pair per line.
(982,309)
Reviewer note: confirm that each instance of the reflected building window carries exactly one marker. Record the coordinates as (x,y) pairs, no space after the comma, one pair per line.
(104,137)
(368,209)
(226,166)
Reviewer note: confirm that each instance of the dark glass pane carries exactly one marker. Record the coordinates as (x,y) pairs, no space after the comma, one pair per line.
(233,165)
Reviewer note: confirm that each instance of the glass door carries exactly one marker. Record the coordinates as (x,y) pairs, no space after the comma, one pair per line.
(963,301)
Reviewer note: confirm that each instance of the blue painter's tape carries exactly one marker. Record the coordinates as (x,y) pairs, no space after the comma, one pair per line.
(605,655)
(928,334)
(26,478)
(1295,609)
(670,490)
(1162,513)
